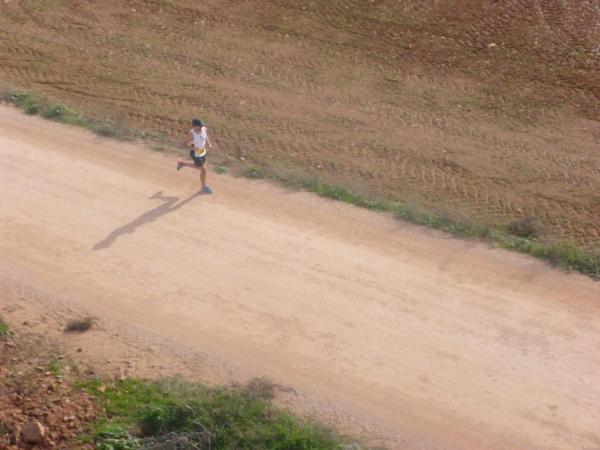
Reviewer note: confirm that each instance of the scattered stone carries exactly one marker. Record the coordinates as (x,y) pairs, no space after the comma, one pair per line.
(79,325)
(33,433)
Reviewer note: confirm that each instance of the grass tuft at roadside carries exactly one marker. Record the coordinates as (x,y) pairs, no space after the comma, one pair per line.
(4,330)
(143,414)
(34,105)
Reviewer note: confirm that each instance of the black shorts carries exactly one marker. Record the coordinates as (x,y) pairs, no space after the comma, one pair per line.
(198,160)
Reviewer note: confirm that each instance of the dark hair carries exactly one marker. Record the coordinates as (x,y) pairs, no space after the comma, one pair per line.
(197,123)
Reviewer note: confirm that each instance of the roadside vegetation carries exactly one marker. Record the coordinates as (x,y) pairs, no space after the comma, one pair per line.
(48,401)
(4,330)
(34,105)
(520,235)
(177,414)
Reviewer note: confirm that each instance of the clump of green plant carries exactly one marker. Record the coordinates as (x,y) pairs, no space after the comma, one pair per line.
(221,169)
(4,330)
(562,254)
(345,195)
(159,147)
(103,128)
(57,112)
(33,104)
(143,413)
(28,102)
(55,368)
(254,172)
(527,227)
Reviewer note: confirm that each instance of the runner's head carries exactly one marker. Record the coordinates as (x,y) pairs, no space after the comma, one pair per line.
(197,123)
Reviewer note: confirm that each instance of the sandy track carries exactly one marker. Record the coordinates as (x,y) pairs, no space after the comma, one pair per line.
(441,343)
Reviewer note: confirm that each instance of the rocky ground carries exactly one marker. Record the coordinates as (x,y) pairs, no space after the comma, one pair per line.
(39,404)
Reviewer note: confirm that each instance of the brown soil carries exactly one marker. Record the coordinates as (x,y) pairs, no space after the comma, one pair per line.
(408,337)
(487,109)
(38,385)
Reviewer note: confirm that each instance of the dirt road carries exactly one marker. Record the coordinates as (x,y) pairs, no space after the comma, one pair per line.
(441,343)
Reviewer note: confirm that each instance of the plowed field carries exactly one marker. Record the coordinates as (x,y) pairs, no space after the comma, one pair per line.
(488,109)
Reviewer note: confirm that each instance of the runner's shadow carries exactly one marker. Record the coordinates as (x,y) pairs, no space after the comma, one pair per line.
(169,205)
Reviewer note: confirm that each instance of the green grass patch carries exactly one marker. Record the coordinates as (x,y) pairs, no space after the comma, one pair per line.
(345,195)
(139,413)
(4,330)
(55,368)
(562,254)
(58,112)
(254,172)
(159,147)
(220,169)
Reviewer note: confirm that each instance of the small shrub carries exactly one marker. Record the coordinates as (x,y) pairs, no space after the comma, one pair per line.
(261,388)
(19,98)
(254,172)
(345,195)
(29,103)
(79,325)
(32,109)
(55,368)
(159,147)
(220,169)
(61,113)
(56,112)
(561,254)
(174,412)
(4,330)
(527,227)
(104,129)
(115,437)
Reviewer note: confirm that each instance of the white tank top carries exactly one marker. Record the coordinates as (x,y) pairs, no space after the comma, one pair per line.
(199,141)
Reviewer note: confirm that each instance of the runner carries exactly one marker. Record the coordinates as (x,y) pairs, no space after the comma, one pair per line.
(197,141)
